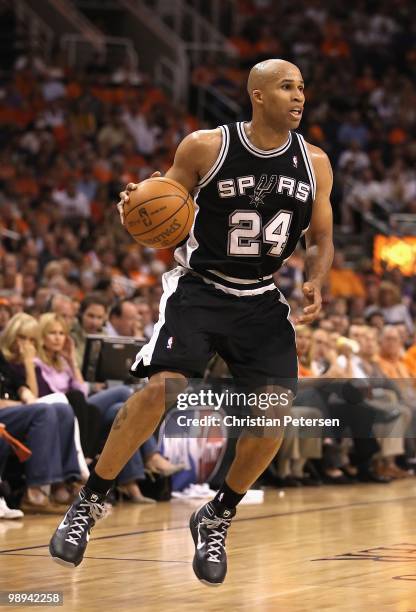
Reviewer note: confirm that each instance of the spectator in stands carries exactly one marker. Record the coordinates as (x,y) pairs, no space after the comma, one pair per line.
(72,201)
(392,306)
(18,345)
(10,277)
(16,303)
(384,394)
(304,346)
(63,306)
(337,399)
(124,320)
(5,313)
(92,316)
(344,282)
(58,372)
(391,355)
(354,157)
(49,427)
(146,315)
(375,319)
(409,360)
(353,129)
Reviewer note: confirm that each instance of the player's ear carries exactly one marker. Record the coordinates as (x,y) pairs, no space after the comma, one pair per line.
(257,96)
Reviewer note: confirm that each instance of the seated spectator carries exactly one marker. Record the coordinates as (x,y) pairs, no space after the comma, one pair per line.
(71,201)
(409,359)
(344,282)
(5,313)
(384,394)
(334,398)
(375,319)
(394,310)
(145,312)
(304,345)
(391,362)
(393,366)
(124,320)
(63,306)
(47,429)
(10,276)
(58,372)
(18,345)
(354,157)
(91,319)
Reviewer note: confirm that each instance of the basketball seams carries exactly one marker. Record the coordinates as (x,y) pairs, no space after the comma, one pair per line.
(173,195)
(165,220)
(154,227)
(185,225)
(164,232)
(163,179)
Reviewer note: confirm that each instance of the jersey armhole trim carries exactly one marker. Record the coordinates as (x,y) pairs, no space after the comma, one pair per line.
(308,163)
(220,159)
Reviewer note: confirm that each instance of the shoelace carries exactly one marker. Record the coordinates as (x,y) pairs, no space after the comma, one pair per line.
(216,539)
(85,511)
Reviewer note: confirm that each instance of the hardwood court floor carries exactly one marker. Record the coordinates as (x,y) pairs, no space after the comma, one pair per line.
(345,548)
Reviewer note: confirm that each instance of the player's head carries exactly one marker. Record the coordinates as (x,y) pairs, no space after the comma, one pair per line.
(275,87)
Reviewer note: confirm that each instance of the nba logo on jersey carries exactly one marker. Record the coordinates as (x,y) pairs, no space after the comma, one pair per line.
(170,342)
(295,161)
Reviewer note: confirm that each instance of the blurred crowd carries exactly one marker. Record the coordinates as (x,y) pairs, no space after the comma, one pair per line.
(359,65)
(71,141)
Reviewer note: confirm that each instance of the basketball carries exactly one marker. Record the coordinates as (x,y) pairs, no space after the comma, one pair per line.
(160,213)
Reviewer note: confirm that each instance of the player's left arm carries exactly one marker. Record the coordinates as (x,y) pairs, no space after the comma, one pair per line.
(319,241)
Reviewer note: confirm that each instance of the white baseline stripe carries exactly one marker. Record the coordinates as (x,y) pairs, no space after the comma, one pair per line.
(170,283)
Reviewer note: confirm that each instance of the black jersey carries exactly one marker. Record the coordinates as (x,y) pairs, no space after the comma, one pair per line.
(251,209)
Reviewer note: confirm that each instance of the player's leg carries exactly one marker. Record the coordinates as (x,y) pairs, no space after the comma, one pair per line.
(261,350)
(135,422)
(253,455)
(209,525)
(178,346)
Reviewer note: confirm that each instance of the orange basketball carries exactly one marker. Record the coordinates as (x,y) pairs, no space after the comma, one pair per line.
(160,213)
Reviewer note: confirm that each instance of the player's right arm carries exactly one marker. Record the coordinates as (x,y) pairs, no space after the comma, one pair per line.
(194,157)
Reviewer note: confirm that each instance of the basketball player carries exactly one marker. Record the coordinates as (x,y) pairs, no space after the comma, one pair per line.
(258,186)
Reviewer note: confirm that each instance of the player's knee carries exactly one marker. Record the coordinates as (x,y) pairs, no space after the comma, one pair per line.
(162,391)
(164,388)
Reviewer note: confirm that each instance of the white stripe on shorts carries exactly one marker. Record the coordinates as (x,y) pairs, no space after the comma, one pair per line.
(170,282)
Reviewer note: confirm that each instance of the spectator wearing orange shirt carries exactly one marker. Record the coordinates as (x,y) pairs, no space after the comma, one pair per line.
(344,282)
(303,347)
(409,359)
(334,46)
(391,353)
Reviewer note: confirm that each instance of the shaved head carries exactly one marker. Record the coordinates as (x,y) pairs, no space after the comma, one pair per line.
(277,96)
(270,70)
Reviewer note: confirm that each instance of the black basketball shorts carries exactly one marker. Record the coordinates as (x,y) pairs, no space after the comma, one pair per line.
(251,333)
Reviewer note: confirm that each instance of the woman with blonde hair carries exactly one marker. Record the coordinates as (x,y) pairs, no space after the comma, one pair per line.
(59,372)
(18,343)
(47,429)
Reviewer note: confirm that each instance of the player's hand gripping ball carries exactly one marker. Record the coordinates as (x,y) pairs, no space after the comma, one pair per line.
(159,213)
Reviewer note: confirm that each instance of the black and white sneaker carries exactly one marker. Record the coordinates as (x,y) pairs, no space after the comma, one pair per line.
(209,530)
(70,540)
